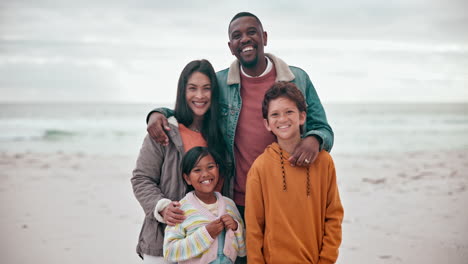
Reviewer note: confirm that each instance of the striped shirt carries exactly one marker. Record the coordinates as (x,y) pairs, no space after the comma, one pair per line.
(190,242)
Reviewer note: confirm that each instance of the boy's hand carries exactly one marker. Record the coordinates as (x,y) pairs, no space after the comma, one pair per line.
(214,228)
(172,214)
(229,222)
(306,152)
(157,123)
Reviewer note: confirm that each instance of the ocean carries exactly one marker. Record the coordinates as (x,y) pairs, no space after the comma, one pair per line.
(119,129)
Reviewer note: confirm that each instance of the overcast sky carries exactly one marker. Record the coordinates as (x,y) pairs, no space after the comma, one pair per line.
(134,51)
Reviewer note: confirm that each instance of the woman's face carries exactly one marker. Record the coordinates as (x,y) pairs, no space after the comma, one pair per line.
(198,93)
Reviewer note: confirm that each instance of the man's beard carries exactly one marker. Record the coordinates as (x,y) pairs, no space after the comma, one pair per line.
(249,64)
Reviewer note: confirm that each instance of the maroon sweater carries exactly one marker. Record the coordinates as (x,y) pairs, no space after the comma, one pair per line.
(251,135)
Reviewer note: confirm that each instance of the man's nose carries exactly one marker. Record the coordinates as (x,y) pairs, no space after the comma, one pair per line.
(245,38)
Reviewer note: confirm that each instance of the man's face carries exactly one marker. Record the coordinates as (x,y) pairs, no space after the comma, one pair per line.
(246,40)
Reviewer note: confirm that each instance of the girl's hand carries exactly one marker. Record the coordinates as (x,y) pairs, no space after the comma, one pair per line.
(214,228)
(229,222)
(172,214)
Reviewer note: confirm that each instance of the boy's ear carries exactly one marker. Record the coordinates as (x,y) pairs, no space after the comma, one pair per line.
(187,179)
(302,117)
(267,125)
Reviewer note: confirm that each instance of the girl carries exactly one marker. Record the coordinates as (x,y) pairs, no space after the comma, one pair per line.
(156,181)
(213,231)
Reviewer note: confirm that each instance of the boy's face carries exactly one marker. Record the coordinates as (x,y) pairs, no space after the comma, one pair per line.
(284,119)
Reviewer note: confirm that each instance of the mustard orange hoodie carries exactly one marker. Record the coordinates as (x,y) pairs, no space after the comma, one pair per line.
(287,226)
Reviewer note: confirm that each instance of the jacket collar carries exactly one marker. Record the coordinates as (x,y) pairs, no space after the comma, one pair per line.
(174,134)
(283,73)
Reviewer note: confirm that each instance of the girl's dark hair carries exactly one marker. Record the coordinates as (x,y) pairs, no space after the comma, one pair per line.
(193,156)
(210,127)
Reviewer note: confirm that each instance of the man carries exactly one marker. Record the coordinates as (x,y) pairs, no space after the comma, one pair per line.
(242,87)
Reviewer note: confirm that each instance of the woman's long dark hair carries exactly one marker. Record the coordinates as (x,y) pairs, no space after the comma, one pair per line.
(210,127)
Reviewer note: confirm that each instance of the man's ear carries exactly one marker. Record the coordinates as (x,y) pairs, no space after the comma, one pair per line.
(187,179)
(267,125)
(229,45)
(265,38)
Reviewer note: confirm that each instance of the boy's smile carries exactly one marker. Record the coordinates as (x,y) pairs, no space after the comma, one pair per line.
(284,119)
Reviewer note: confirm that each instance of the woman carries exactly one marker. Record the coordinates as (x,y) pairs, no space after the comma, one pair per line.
(156,179)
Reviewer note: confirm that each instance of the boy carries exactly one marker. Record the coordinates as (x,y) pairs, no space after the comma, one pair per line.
(293,214)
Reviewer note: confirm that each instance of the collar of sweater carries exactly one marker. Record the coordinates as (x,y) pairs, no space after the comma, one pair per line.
(283,73)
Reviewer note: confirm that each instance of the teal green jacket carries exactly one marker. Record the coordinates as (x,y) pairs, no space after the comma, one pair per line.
(231,103)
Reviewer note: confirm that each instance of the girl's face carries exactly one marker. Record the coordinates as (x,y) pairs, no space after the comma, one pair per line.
(198,93)
(204,176)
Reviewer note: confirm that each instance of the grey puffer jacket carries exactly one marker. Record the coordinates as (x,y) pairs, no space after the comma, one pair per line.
(157,175)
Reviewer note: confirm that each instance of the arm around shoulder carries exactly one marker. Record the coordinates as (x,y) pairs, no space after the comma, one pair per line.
(162,110)
(317,123)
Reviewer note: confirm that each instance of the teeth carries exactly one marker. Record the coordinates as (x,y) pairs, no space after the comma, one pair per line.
(249,48)
(199,104)
(206,182)
(283,127)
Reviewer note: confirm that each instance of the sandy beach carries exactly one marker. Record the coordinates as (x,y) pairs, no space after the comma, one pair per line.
(79,208)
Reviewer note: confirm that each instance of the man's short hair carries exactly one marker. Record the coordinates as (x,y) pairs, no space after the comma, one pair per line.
(245,14)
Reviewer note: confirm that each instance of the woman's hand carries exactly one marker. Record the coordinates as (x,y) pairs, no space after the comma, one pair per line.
(172,214)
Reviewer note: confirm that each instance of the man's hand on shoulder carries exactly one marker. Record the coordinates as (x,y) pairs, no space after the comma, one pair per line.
(157,127)
(306,152)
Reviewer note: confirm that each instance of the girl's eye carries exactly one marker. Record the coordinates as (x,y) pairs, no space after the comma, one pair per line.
(196,170)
